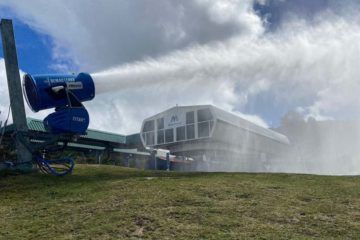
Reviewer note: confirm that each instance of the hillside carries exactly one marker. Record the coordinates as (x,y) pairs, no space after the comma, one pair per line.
(105,202)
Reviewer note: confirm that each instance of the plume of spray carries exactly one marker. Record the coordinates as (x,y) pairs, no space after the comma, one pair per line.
(309,67)
(314,65)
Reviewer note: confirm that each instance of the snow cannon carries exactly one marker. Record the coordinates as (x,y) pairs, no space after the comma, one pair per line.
(65,93)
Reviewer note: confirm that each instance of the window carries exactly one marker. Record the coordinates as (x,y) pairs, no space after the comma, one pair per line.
(149,126)
(190,117)
(190,131)
(203,129)
(160,137)
(204,115)
(160,123)
(150,138)
(169,135)
(180,133)
(190,127)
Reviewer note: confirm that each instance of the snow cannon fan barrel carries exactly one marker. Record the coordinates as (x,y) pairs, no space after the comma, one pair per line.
(65,93)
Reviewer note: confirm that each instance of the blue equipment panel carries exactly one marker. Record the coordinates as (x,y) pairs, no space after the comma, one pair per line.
(39,93)
(67,120)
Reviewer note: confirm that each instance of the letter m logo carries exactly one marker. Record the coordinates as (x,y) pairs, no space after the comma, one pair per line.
(174,118)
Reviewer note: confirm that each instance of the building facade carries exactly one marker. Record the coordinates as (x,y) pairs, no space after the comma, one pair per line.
(216,139)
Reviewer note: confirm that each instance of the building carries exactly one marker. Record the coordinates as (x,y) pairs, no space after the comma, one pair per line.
(216,139)
(100,145)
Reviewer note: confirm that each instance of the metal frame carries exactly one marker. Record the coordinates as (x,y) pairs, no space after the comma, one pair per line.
(15,90)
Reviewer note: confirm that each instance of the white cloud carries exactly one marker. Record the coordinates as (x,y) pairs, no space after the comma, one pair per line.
(239,12)
(99,34)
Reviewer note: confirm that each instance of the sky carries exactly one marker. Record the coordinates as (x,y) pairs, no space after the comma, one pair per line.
(256,58)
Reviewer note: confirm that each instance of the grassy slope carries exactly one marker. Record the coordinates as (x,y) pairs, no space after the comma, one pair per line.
(112,202)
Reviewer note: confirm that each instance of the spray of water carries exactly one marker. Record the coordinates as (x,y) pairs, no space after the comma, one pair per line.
(312,68)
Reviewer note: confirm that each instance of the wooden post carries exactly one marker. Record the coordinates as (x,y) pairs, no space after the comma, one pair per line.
(14,85)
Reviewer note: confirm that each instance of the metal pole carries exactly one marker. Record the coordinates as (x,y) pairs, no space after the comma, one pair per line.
(155,160)
(98,156)
(167,161)
(14,85)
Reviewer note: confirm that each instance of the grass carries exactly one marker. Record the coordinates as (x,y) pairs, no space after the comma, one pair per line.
(105,202)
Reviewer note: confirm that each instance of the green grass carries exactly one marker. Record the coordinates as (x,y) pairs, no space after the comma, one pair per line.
(118,203)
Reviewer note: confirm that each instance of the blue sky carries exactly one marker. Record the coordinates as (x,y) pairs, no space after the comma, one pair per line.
(259,59)
(33,48)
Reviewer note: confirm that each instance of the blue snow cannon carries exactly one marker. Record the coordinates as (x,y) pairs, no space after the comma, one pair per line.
(65,93)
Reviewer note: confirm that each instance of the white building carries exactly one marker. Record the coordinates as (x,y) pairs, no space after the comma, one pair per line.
(216,139)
